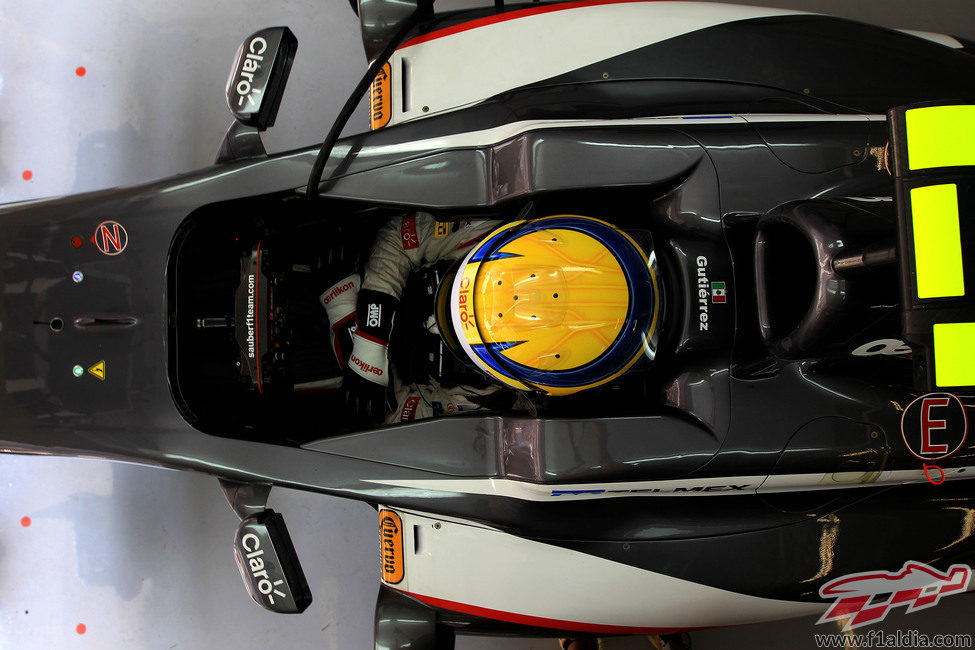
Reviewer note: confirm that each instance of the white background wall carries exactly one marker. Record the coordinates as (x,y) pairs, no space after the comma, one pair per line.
(142,557)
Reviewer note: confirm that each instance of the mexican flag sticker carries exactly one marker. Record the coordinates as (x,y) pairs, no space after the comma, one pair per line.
(718,292)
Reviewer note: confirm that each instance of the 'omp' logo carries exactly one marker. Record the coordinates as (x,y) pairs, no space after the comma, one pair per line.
(916,585)
(391,546)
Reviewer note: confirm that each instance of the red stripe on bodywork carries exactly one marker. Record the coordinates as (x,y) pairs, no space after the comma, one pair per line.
(511,15)
(538,621)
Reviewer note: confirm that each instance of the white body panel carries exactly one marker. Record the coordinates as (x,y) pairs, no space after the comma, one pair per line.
(717,486)
(459,66)
(471,568)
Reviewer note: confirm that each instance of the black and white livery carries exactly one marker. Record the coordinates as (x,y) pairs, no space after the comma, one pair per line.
(810,391)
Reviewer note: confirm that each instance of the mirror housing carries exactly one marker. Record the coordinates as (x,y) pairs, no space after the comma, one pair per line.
(269,565)
(258,77)
(380,19)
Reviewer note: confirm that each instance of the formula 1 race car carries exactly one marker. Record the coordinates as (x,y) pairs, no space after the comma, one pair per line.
(799,194)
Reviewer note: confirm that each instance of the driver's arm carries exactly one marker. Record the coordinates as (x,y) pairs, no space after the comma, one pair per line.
(394,254)
(402,246)
(399,249)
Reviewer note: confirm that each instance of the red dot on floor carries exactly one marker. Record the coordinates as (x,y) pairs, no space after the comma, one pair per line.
(81,628)
(25,521)
(28,174)
(80,71)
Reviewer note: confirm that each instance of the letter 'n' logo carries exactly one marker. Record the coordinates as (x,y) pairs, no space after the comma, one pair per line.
(110,237)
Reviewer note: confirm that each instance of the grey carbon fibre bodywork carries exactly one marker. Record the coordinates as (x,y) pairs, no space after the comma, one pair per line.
(78,416)
(728,411)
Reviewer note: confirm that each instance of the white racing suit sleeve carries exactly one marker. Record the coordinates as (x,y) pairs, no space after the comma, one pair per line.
(339,301)
(421,401)
(402,246)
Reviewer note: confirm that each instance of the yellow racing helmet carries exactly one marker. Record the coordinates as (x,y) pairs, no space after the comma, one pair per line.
(557,305)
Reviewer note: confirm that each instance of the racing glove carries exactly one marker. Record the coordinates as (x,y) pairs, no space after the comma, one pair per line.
(339,301)
(367,373)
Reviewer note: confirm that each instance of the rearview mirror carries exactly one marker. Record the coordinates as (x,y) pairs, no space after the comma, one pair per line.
(260,72)
(269,565)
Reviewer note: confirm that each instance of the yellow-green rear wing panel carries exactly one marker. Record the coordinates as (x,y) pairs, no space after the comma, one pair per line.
(933,163)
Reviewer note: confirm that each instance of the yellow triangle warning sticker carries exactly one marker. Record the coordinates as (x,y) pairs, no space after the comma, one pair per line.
(98,370)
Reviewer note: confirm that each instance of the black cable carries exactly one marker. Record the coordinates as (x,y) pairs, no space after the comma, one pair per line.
(314,180)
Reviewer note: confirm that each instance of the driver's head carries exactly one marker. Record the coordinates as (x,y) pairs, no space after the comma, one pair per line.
(558,304)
